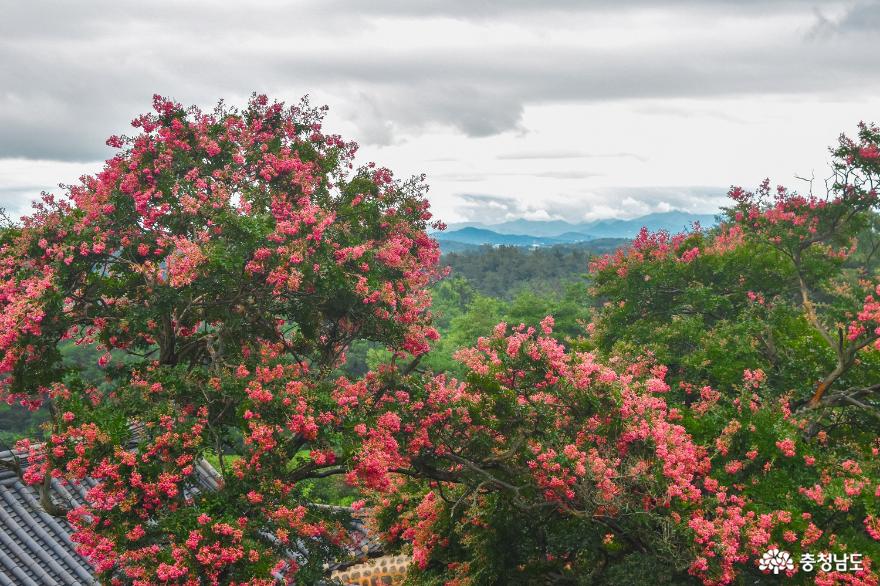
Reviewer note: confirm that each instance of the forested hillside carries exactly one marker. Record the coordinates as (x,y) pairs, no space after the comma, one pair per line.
(504,271)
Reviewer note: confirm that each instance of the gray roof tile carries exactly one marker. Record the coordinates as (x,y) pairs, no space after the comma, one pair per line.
(35,548)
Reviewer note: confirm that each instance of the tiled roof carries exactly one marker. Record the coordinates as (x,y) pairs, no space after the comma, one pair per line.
(35,547)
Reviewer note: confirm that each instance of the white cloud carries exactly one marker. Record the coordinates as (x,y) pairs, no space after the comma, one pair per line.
(540,102)
(23,180)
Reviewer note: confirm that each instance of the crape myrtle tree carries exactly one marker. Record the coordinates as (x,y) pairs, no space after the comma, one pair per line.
(783,295)
(544,465)
(222,263)
(724,401)
(786,284)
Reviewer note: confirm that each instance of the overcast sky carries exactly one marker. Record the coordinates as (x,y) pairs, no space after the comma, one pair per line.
(538,109)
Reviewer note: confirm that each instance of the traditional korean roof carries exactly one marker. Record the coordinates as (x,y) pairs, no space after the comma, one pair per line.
(36,549)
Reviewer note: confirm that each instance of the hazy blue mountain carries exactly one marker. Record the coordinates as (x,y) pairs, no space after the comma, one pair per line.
(546,228)
(460,225)
(674,221)
(471,235)
(574,237)
(534,232)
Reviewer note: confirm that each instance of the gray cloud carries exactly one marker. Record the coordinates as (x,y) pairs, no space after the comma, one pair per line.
(564,174)
(860,17)
(16,200)
(483,176)
(635,201)
(484,9)
(554,154)
(617,202)
(863,16)
(461,177)
(565,154)
(74,73)
(488,208)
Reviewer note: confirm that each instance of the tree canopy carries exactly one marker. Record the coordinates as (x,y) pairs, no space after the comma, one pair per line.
(231,287)
(223,263)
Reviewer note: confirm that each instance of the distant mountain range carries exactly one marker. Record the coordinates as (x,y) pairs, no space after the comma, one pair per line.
(531,233)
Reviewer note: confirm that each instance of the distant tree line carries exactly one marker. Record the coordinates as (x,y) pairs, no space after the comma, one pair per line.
(505,271)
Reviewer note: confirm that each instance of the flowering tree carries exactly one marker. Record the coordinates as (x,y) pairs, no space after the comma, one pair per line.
(777,273)
(770,329)
(723,404)
(548,464)
(545,464)
(222,263)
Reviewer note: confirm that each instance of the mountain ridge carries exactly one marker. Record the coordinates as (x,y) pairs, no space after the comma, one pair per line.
(522,232)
